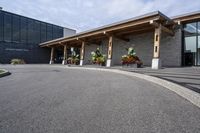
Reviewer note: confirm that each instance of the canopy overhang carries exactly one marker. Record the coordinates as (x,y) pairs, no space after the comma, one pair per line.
(137,25)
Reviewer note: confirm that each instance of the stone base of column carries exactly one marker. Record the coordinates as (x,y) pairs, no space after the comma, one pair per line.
(64,62)
(156,63)
(81,62)
(51,62)
(108,63)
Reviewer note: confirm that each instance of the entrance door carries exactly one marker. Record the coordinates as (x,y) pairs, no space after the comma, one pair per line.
(190,44)
(59,56)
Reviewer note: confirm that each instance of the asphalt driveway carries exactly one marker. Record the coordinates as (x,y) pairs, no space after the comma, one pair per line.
(43,98)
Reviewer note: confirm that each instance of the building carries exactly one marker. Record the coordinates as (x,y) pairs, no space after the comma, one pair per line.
(20,36)
(159,40)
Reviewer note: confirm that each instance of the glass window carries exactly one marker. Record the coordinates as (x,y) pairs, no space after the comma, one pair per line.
(30,30)
(60,32)
(23,26)
(43,32)
(33,31)
(16,28)
(7,27)
(190,37)
(57,32)
(1,26)
(37,31)
(49,32)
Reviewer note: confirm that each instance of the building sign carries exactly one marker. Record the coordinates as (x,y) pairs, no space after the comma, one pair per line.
(20,50)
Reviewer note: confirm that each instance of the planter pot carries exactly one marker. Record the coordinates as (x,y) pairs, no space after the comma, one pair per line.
(133,65)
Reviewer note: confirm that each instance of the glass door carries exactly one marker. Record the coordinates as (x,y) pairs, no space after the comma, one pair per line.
(190,44)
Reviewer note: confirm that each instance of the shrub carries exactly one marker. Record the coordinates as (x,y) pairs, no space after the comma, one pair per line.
(98,57)
(17,61)
(131,58)
(74,59)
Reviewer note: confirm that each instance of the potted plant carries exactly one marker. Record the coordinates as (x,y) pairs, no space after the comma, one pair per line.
(74,59)
(98,58)
(17,61)
(131,59)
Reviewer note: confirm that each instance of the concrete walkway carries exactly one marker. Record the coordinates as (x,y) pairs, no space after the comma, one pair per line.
(44,98)
(188,77)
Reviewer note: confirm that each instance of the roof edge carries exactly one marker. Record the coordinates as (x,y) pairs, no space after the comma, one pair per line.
(110,25)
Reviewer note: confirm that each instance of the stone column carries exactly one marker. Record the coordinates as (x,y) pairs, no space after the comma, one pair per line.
(64,62)
(156,61)
(110,46)
(52,56)
(82,52)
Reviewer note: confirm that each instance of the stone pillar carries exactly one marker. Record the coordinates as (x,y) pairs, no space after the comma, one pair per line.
(110,46)
(64,62)
(52,56)
(82,52)
(156,61)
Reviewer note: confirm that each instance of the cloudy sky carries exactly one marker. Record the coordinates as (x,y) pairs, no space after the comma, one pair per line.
(86,14)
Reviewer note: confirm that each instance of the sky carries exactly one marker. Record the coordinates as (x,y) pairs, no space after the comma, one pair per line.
(84,15)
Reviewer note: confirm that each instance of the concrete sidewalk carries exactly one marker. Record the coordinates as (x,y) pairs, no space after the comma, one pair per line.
(188,77)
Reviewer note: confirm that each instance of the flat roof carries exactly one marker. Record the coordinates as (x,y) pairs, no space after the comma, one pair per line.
(116,24)
(185,15)
(35,19)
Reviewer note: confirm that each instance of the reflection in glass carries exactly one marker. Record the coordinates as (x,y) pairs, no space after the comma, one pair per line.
(23,29)
(16,28)
(190,49)
(43,32)
(49,32)
(7,27)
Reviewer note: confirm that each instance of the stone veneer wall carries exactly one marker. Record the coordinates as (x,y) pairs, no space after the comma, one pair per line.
(143,44)
(170,49)
(92,47)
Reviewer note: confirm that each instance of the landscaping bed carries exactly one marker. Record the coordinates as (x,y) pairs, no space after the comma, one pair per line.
(4,73)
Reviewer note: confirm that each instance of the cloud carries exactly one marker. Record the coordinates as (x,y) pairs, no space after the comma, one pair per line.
(87,14)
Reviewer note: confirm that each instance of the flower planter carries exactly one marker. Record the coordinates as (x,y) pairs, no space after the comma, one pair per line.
(133,65)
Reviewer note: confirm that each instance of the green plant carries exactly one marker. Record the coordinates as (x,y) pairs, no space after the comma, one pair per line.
(1,71)
(131,58)
(17,61)
(74,59)
(98,57)
(131,51)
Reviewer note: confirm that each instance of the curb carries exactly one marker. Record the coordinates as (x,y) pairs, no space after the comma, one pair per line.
(184,92)
(5,73)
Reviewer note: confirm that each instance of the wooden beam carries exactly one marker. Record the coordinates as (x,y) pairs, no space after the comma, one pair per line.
(189,18)
(163,28)
(157,38)
(65,52)
(110,46)
(133,32)
(52,55)
(107,29)
(122,38)
(167,30)
(82,50)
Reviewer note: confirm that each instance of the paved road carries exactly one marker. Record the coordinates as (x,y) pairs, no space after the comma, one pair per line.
(39,99)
